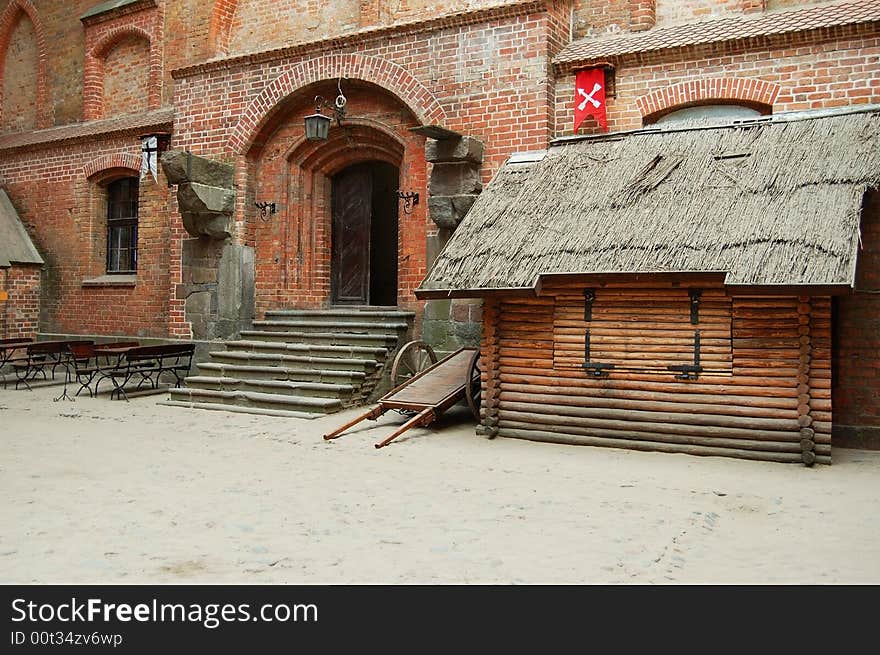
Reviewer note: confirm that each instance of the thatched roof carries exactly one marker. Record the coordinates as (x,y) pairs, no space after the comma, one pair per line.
(767,201)
(15,244)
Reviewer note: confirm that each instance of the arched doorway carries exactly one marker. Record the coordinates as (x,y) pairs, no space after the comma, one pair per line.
(364,234)
(339,235)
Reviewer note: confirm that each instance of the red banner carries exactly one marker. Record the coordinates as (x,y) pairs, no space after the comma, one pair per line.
(589,96)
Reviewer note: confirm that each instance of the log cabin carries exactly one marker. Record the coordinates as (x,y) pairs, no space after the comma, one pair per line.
(670,289)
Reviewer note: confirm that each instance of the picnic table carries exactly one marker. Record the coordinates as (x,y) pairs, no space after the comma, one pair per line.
(146,365)
(8,348)
(124,362)
(40,356)
(86,361)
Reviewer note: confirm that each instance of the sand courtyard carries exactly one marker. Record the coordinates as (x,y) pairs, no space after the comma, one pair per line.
(108,491)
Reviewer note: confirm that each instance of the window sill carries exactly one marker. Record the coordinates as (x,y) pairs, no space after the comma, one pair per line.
(111,281)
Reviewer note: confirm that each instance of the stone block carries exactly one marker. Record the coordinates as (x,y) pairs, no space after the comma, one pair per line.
(437,310)
(201,275)
(448,211)
(436,333)
(203,198)
(198,313)
(454,150)
(206,210)
(468,334)
(455,179)
(183,167)
(215,226)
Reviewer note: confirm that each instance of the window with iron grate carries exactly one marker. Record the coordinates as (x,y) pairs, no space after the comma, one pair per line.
(122,225)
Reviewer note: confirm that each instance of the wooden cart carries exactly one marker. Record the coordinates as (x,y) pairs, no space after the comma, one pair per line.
(426,387)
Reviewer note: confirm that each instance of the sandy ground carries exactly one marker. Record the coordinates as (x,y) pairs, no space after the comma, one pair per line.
(101,491)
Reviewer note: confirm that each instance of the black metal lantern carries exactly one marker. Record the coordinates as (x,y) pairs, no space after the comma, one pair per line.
(318,125)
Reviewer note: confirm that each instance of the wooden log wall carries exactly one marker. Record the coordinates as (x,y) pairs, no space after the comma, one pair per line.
(490,370)
(643,329)
(765,397)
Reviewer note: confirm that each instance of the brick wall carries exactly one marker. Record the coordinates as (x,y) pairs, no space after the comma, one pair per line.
(23,68)
(120,46)
(487,79)
(56,191)
(127,77)
(856,388)
(670,12)
(254,26)
(20,313)
(812,70)
(20,81)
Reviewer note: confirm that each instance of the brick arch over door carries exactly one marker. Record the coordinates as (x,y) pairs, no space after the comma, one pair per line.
(729,89)
(8,22)
(93,93)
(381,72)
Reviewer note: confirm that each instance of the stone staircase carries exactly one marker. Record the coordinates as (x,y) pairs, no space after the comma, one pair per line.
(299,362)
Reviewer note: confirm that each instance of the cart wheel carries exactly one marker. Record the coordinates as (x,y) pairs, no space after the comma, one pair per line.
(412,359)
(473,390)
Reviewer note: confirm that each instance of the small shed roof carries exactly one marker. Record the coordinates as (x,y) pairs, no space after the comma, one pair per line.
(766,201)
(15,244)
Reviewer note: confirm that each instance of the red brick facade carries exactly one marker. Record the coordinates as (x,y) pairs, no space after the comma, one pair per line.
(23,77)
(231,80)
(856,381)
(123,61)
(20,311)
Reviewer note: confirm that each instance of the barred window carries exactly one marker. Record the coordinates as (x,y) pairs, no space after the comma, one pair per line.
(122,225)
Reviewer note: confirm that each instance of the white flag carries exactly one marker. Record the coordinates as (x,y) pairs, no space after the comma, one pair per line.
(149,157)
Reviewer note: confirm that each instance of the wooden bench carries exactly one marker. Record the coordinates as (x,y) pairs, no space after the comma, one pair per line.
(84,365)
(146,364)
(42,355)
(8,348)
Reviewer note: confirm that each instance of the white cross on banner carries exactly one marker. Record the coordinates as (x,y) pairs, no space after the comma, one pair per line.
(589,98)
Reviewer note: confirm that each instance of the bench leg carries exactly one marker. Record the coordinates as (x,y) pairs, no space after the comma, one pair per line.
(118,389)
(22,374)
(85,385)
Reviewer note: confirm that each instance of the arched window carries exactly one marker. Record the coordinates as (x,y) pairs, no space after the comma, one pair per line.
(122,225)
(707,114)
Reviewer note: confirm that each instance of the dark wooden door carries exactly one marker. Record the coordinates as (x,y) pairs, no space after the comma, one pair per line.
(352,203)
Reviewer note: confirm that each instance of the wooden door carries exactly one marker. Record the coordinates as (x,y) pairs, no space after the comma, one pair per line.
(350,257)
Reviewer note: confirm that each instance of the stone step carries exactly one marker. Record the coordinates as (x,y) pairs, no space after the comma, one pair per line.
(245,357)
(309,349)
(298,362)
(257,400)
(326,324)
(380,340)
(248,372)
(284,387)
(375,315)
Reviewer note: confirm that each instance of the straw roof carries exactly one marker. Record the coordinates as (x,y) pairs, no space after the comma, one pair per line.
(768,201)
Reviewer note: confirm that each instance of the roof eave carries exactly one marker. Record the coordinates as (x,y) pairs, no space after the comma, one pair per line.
(445,294)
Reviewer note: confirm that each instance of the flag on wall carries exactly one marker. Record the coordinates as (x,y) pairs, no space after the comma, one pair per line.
(149,159)
(589,96)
